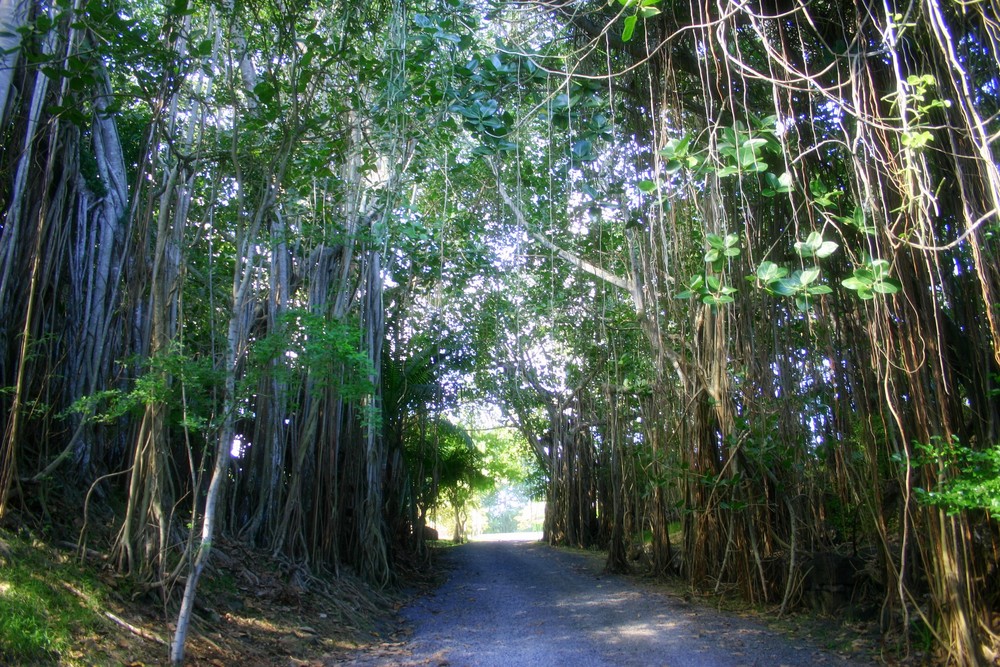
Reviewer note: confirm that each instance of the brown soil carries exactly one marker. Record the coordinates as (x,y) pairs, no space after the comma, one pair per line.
(251,611)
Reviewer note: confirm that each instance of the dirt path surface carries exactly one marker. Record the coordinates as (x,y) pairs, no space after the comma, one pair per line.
(520,603)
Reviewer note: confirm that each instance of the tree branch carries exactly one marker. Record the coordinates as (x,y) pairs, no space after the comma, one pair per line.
(575,260)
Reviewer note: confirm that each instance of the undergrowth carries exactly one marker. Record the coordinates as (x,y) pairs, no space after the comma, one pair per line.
(47,603)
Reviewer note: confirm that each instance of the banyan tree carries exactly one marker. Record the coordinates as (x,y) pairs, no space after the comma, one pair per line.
(798,204)
(729,267)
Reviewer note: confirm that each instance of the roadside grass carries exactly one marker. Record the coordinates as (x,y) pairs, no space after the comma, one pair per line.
(47,603)
(441,544)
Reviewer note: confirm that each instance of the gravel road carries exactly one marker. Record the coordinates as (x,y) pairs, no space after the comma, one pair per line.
(523,603)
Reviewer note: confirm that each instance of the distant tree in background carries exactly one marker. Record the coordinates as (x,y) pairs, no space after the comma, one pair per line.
(727,267)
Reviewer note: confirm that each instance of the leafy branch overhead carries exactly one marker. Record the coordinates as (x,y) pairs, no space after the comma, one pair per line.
(301,250)
(644,9)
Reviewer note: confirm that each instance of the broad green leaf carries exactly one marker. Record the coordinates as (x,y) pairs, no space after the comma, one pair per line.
(755,142)
(444,36)
(776,184)
(856,283)
(808,275)
(769,271)
(826,249)
(629,29)
(647,186)
(669,150)
(865,275)
(886,287)
(264,91)
(785,287)
(583,150)
(672,166)
(880,268)
(817,188)
(716,299)
(819,289)
(746,157)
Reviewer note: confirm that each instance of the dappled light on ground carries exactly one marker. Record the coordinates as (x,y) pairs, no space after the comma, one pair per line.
(509,601)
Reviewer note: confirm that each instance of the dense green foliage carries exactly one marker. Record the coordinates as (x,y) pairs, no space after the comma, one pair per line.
(732,268)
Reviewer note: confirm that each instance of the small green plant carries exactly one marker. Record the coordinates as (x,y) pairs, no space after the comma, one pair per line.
(172,377)
(741,151)
(823,196)
(308,343)
(775,185)
(967,479)
(922,634)
(920,104)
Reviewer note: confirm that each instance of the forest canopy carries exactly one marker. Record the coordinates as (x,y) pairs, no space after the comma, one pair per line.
(728,268)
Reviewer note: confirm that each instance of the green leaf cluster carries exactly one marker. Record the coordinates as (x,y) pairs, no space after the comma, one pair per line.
(800,285)
(737,150)
(815,246)
(307,343)
(871,279)
(858,221)
(641,8)
(720,249)
(966,479)
(709,287)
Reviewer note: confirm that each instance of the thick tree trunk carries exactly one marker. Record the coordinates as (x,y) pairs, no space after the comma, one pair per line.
(13,15)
